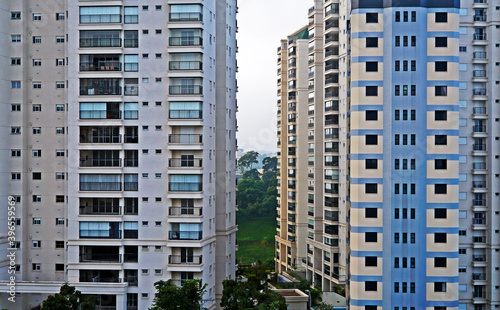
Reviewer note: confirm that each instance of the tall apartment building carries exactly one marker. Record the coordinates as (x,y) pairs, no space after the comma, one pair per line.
(479,248)
(119,147)
(417,170)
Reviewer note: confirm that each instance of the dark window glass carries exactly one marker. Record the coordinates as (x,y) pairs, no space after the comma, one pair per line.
(441,139)
(439,262)
(405,16)
(397,41)
(413,65)
(396,139)
(413,16)
(441,17)
(440,164)
(440,90)
(371,286)
(371,212)
(440,115)
(371,163)
(441,66)
(371,18)
(371,115)
(371,42)
(370,237)
(396,65)
(396,115)
(397,18)
(440,213)
(441,42)
(371,139)
(370,261)
(371,90)
(371,188)
(371,66)
(439,188)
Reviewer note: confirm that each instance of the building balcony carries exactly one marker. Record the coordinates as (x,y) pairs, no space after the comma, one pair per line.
(101,66)
(185,65)
(100,91)
(479,277)
(102,258)
(479,167)
(185,260)
(480,92)
(101,210)
(185,114)
(100,162)
(480,18)
(479,147)
(185,17)
(100,19)
(102,276)
(185,90)
(100,186)
(479,261)
(185,138)
(479,39)
(479,113)
(479,74)
(185,187)
(479,131)
(186,41)
(479,186)
(479,57)
(185,163)
(185,211)
(185,235)
(98,42)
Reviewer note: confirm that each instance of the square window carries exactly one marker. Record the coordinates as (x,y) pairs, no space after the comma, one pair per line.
(370,261)
(370,237)
(371,212)
(441,42)
(371,286)
(439,287)
(371,18)
(371,66)
(15,15)
(371,139)
(440,115)
(371,115)
(158,31)
(60,16)
(440,164)
(441,66)
(439,188)
(371,91)
(440,237)
(371,188)
(371,42)
(440,213)
(37,16)
(440,262)
(371,163)
(59,267)
(441,139)
(441,17)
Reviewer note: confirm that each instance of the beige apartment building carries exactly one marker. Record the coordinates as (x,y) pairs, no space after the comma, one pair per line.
(119,123)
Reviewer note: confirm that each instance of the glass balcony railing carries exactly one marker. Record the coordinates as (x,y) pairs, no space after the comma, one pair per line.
(185,187)
(100,186)
(186,17)
(185,259)
(185,138)
(185,235)
(101,42)
(100,210)
(100,162)
(185,114)
(185,65)
(185,211)
(186,90)
(101,66)
(479,36)
(100,19)
(185,41)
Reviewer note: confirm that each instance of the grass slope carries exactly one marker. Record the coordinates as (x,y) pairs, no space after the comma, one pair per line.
(251,232)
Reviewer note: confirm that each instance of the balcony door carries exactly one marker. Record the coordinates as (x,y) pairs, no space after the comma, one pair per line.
(187,160)
(187,255)
(186,135)
(187,206)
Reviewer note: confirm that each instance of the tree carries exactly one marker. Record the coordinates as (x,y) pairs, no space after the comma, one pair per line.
(247,160)
(251,174)
(171,297)
(270,163)
(252,294)
(69,298)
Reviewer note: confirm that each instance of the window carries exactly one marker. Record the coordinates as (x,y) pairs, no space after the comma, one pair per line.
(60,153)
(15,15)
(15,153)
(371,213)
(371,66)
(15,84)
(405,40)
(15,130)
(371,42)
(59,39)
(37,108)
(370,237)
(371,163)
(413,65)
(439,286)
(371,286)
(37,40)
(440,237)
(371,188)
(15,61)
(60,108)
(15,38)
(441,42)
(440,262)
(59,198)
(396,140)
(413,41)
(37,16)
(37,198)
(37,62)
(440,189)
(397,17)
(37,221)
(60,16)
(440,164)
(371,18)
(440,115)
(36,244)
(59,130)
(371,90)
(441,139)
(37,85)
(413,16)
(15,107)
(441,66)
(59,221)
(371,139)
(397,65)
(440,213)
(397,41)
(60,85)
(60,175)
(441,17)
(371,115)
(37,130)
(59,244)
(37,153)
(370,261)
(36,267)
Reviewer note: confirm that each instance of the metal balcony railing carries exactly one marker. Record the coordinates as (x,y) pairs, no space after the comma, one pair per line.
(186,17)
(100,210)
(100,258)
(100,19)
(479,36)
(101,66)
(185,138)
(479,184)
(185,187)
(479,276)
(479,18)
(479,147)
(479,110)
(185,65)
(185,211)
(479,73)
(101,42)
(479,221)
(479,55)
(100,186)
(479,129)
(479,91)
(479,258)
(185,260)
(479,166)
(185,235)
(100,162)
(185,163)
(479,202)
(185,90)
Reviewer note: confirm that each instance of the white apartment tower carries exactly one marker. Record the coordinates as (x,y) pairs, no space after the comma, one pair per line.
(119,147)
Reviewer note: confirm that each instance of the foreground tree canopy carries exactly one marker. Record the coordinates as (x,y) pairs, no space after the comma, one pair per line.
(69,298)
(171,297)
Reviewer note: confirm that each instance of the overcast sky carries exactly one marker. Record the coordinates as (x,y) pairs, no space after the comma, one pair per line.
(262,24)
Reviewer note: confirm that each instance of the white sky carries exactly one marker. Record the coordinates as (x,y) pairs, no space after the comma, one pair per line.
(262,24)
